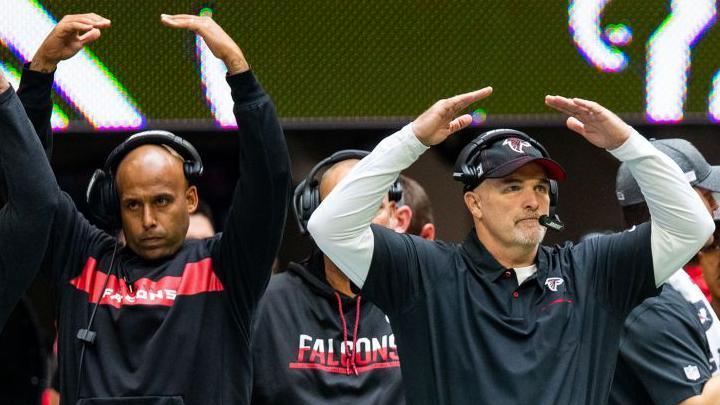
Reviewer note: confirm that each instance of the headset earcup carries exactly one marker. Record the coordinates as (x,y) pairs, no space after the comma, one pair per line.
(313,201)
(396,192)
(99,198)
(111,200)
(304,205)
(554,195)
(192,169)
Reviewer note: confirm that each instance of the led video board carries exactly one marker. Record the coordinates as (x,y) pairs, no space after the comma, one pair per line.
(329,63)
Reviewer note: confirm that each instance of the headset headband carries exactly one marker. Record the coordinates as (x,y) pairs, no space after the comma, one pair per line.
(190,155)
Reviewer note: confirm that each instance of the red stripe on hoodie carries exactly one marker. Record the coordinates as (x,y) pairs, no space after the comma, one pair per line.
(197,278)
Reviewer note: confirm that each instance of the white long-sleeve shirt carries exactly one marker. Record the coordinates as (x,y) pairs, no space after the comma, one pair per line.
(341,224)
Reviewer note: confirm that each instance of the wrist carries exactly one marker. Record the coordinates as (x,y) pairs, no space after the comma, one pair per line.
(622,139)
(42,65)
(413,128)
(236,65)
(4,85)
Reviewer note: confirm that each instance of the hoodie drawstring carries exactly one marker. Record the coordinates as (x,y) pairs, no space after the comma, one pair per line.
(351,360)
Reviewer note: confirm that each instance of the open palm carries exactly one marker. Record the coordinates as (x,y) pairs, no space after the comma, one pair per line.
(596,123)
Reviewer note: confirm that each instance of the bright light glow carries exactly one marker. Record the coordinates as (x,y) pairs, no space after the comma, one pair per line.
(618,34)
(83,81)
(668,58)
(214,85)
(58,119)
(714,99)
(479,116)
(584,20)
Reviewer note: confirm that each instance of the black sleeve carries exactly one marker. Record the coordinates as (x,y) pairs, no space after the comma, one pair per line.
(32,200)
(34,92)
(620,268)
(395,279)
(72,235)
(245,253)
(666,352)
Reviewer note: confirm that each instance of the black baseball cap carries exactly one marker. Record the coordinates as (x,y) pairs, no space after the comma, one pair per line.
(507,155)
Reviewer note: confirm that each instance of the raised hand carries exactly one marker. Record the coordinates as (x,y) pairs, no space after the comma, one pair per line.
(596,123)
(438,122)
(66,39)
(217,40)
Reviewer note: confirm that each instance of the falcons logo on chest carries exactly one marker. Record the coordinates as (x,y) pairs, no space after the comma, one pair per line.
(516,144)
(552,283)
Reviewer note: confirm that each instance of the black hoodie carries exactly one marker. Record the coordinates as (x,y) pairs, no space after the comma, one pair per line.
(300,338)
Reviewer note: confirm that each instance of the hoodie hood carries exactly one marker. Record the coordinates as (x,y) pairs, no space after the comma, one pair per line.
(311,271)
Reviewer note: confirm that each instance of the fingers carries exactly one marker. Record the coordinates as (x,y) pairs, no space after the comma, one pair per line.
(89,36)
(78,26)
(590,106)
(185,21)
(575,125)
(462,101)
(564,105)
(460,123)
(93,19)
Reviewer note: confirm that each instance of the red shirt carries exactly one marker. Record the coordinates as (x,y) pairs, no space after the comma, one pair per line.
(696,275)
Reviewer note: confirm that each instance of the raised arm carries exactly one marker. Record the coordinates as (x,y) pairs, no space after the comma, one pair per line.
(680,223)
(244,255)
(32,198)
(341,224)
(63,42)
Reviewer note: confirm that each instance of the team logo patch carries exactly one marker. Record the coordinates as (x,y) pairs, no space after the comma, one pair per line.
(516,144)
(553,283)
(691,372)
(703,315)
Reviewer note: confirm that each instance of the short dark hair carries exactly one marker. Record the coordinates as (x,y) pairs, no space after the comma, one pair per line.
(415,197)
(636,214)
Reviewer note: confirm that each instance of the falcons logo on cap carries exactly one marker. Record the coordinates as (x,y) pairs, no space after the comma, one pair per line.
(516,144)
(552,283)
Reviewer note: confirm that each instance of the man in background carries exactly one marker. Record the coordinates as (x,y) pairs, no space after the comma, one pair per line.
(201,222)
(417,202)
(317,341)
(669,351)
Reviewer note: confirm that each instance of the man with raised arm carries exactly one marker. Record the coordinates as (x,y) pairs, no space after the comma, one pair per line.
(501,318)
(18,270)
(165,320)
(30,201)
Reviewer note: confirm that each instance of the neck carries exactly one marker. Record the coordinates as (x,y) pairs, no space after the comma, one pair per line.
(336,278)
(715,304)
(510,257)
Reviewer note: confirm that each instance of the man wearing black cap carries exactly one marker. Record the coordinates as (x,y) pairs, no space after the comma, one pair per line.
(500,318)
(670,349)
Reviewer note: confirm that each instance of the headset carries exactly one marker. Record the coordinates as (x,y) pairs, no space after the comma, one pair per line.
(469,171)
(101,195)
(306,197)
